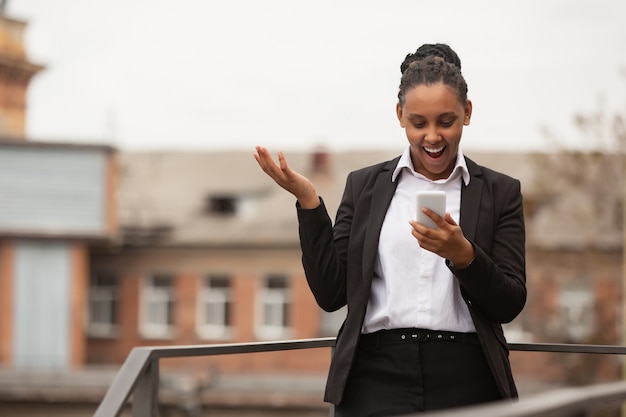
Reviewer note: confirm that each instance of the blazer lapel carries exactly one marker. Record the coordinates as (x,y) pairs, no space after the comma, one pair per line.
(470,200)
(382,194)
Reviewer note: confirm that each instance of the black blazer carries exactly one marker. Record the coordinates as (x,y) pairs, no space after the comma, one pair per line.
(339,261)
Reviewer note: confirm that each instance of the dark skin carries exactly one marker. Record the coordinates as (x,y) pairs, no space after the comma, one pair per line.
(433,118)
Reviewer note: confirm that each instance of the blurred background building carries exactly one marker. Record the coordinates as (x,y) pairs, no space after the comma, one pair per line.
(103,250)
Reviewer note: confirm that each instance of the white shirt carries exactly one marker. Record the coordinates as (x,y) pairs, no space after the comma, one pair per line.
(413,287)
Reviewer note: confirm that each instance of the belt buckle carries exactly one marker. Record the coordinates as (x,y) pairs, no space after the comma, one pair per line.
(419,336)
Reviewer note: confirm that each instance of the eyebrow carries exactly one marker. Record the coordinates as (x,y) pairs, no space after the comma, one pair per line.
(415,116)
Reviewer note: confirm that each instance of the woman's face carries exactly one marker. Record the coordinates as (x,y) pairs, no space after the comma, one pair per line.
(433,119)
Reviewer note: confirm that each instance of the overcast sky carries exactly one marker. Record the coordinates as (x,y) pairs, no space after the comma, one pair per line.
(291,75)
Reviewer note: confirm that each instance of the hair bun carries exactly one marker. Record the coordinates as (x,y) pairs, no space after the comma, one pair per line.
(440,50)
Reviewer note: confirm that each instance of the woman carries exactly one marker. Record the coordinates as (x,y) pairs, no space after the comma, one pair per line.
(425,306)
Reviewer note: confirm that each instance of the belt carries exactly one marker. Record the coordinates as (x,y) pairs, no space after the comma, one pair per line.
(398,336)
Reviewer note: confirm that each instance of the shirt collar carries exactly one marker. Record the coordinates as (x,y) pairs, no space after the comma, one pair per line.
(460,167)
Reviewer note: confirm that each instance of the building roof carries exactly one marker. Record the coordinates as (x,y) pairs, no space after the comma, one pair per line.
(173,191)
(224,199)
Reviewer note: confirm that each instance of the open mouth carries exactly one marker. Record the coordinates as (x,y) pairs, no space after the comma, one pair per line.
(434,152)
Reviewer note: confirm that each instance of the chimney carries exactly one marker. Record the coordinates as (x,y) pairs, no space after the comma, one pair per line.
(321,162)
(16,71)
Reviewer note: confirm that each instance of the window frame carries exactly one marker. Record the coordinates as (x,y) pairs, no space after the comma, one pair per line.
(222,298)
(156,296)
(109,296)
(280,302)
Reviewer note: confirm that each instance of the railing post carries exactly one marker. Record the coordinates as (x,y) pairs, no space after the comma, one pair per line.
(332,406)
(146,394)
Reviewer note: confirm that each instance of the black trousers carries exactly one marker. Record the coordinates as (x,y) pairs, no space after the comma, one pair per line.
(408,376)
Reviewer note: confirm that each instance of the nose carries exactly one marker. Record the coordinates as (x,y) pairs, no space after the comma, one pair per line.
(432,136)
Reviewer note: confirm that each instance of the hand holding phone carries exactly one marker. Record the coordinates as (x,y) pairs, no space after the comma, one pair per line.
(433,200)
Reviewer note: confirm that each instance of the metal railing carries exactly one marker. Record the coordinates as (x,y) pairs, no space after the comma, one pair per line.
(139,377)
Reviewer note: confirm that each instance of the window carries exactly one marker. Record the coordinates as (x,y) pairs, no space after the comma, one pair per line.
(274,305)
(577,312)
(103,304)
(158,306)
(215,307)
(222,205)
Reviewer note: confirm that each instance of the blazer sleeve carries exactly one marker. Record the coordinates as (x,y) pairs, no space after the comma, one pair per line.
(494,284)
(323,257)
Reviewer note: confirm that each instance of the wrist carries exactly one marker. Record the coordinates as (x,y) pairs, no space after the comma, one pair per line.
(460,266)
(465,259)
(309,202)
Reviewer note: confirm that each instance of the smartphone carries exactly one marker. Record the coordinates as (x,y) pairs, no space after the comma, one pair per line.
(434,200)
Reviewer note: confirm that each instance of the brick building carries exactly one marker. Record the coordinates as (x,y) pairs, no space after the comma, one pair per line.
(102,251)
(54,200)
(208,253)
(204,250)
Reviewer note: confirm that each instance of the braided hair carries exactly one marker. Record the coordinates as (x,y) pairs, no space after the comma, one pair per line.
(440,50)
(430,64)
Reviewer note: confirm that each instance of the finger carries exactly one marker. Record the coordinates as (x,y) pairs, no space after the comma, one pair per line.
(267,164)
(417,227)
(450,220)
(267,159)
(419,231)
(261,155)
(261,152)
(439,221)
(258,158)
(282,161)
(261,162)
(257,154)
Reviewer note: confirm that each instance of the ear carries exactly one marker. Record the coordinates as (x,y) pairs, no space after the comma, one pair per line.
(468,113)
(399,114)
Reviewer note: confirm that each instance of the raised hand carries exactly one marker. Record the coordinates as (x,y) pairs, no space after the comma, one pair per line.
(297,184)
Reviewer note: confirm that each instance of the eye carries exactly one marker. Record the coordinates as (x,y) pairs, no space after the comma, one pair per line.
(447,122)
(419,125)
